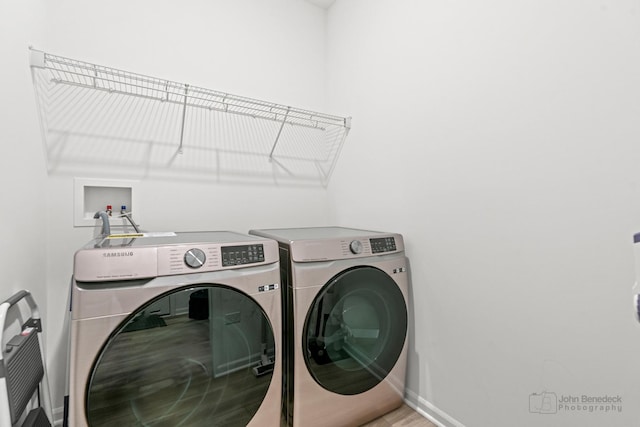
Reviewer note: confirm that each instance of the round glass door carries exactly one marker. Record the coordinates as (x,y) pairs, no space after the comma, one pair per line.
(201,356)
(355,331)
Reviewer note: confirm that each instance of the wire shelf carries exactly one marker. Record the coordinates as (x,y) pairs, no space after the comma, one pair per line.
(69,112)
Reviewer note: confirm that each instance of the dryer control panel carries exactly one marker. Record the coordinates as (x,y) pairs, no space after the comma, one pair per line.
(341,248)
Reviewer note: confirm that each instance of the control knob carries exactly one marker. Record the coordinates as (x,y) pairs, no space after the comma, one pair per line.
(356,247)
(195,258)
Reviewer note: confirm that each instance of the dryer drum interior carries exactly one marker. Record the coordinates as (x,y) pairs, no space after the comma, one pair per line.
(355,331)
(204,367)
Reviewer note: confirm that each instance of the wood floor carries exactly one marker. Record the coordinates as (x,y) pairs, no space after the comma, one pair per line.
(404,416)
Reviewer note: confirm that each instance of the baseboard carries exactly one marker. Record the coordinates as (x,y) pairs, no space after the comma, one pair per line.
(430,411)
(58,416)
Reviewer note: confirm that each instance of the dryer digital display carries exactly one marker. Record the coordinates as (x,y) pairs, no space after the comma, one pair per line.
(383,244)
(245,254)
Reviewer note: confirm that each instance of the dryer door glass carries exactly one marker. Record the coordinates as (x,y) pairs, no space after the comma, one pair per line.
(355,331)
(200,356)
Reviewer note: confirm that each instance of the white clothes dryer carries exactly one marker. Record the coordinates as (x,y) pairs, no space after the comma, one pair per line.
(345,317)
(175,330)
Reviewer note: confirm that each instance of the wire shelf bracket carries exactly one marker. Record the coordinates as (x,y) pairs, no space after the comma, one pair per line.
(284,120)
(184,113)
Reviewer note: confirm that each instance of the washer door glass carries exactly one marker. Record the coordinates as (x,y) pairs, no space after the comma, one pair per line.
(201,356)
(355,331)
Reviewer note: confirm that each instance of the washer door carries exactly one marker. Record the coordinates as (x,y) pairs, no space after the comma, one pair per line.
(355,331)
(207,361)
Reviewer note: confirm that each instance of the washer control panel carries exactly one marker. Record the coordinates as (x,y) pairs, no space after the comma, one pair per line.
(383,244)
(240,255)
(187,259)
(180,253)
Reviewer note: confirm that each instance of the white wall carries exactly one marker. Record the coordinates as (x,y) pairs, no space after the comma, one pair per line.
(22,172)
(266,50)
(501,139)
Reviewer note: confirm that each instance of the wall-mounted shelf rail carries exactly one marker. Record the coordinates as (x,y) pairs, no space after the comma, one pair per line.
(329,131)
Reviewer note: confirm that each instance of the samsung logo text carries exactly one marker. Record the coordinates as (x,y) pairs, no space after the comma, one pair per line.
(116,254)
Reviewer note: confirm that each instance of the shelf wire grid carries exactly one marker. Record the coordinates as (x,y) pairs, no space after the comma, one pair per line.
(80,73)
(301,144)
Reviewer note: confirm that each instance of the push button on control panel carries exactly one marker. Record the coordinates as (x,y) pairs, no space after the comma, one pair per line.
(239,255)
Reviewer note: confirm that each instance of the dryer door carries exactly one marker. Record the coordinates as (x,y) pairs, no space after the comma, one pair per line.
(207,362)
(355,330)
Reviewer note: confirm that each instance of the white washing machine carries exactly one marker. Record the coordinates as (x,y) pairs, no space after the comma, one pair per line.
(345,318)
(181,329)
